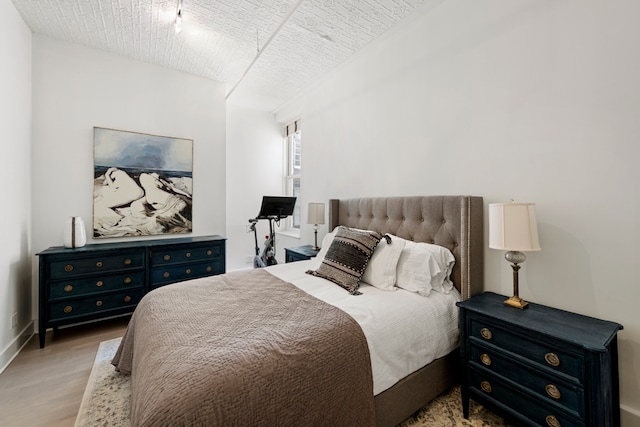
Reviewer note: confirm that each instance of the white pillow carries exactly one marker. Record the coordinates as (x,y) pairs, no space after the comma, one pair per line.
(381,269)
(424,267)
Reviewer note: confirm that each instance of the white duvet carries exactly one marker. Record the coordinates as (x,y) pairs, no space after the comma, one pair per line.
(405,331)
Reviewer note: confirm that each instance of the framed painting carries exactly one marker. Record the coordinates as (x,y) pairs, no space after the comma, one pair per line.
(142,184)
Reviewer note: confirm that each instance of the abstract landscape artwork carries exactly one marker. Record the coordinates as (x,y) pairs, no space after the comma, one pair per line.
(143,184)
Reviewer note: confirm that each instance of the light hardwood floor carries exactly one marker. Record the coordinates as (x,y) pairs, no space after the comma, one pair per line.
(44,387)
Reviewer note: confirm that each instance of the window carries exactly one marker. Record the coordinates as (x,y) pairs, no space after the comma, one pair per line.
(293,163)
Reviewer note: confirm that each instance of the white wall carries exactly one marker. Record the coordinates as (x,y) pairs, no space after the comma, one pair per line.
(75,89)
(254,156)
(15,174)
(533,100)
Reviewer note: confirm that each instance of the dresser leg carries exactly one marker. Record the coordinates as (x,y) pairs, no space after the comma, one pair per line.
(465,402)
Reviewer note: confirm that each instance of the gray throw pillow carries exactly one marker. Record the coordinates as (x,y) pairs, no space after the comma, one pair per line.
(347,258)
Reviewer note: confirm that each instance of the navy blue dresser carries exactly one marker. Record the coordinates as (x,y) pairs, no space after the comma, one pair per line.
(102,280)
(539,366)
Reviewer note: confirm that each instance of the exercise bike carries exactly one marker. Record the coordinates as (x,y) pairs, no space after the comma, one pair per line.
(273,209)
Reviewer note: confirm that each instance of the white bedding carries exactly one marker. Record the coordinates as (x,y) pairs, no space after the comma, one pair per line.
(404,331)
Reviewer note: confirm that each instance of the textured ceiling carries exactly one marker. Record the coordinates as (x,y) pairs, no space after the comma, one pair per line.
(265,51)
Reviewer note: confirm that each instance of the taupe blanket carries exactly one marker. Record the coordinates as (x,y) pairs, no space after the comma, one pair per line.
(245,349)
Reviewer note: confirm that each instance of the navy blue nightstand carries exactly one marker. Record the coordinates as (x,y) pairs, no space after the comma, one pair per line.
(300,253)
(539,366)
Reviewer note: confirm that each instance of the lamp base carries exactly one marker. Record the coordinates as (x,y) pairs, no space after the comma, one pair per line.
(315,246)
(516,302)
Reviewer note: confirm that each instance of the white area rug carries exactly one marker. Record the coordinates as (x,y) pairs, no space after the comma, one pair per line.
(107,401)
(107,398)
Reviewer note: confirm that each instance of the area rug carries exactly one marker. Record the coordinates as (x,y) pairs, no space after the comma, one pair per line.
(107,398)
(106,401)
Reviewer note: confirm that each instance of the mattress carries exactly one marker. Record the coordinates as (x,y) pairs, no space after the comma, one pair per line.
(404,331)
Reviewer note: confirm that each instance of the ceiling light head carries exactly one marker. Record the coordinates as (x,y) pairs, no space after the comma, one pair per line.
(178,23)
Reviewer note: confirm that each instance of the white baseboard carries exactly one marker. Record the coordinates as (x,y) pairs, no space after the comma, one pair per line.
(12,350)
(629,417)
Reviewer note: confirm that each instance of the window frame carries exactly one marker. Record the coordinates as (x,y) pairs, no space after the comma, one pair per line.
(292,160)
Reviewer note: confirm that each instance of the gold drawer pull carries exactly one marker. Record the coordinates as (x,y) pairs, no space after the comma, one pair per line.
(486,333)
(553,421)
(209,269)
(166,257)
(486,387)
(127,299)
(127,280)
(99,283)
(209,252)
(166,274)
(485,359)
(99,264)
(188,271)
(188,254)
(127,261)
(552,359)
(553,391)
(68,309)
(98,303)
(68,268)
(68,288)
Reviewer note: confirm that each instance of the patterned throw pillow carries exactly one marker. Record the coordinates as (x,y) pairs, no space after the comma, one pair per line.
(347,258)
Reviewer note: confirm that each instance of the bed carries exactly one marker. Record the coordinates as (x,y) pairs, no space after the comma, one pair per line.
(313,362)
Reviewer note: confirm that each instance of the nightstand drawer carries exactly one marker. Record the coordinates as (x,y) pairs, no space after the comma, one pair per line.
(543,353)
(92,285)
(492,361)
(96,264)
(188,254)
(165,275)
(293,257)
(90,306)
(536,411)
(300,253)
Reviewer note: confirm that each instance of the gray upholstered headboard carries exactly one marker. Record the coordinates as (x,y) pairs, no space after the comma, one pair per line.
(454,222)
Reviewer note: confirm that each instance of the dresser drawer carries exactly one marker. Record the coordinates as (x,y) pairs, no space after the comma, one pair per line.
(95,304)
(92,285)
(175,273)
(492,360)
(489,387)
(160,256)
(62,268)
(544,353)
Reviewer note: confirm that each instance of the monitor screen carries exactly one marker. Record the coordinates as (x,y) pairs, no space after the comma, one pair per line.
(276,206)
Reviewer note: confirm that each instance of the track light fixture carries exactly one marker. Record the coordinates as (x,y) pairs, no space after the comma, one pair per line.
(178,23)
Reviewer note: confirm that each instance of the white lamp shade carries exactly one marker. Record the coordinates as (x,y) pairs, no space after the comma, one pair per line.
(316,213)
(513,227)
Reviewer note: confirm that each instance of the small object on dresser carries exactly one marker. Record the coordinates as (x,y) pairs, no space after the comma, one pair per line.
(75,235)
(300,253)
(540,366)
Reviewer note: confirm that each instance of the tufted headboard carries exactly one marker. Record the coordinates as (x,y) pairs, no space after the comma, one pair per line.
(454,222)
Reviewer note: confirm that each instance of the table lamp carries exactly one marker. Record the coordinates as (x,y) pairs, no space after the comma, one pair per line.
(316,216)
(513,228)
